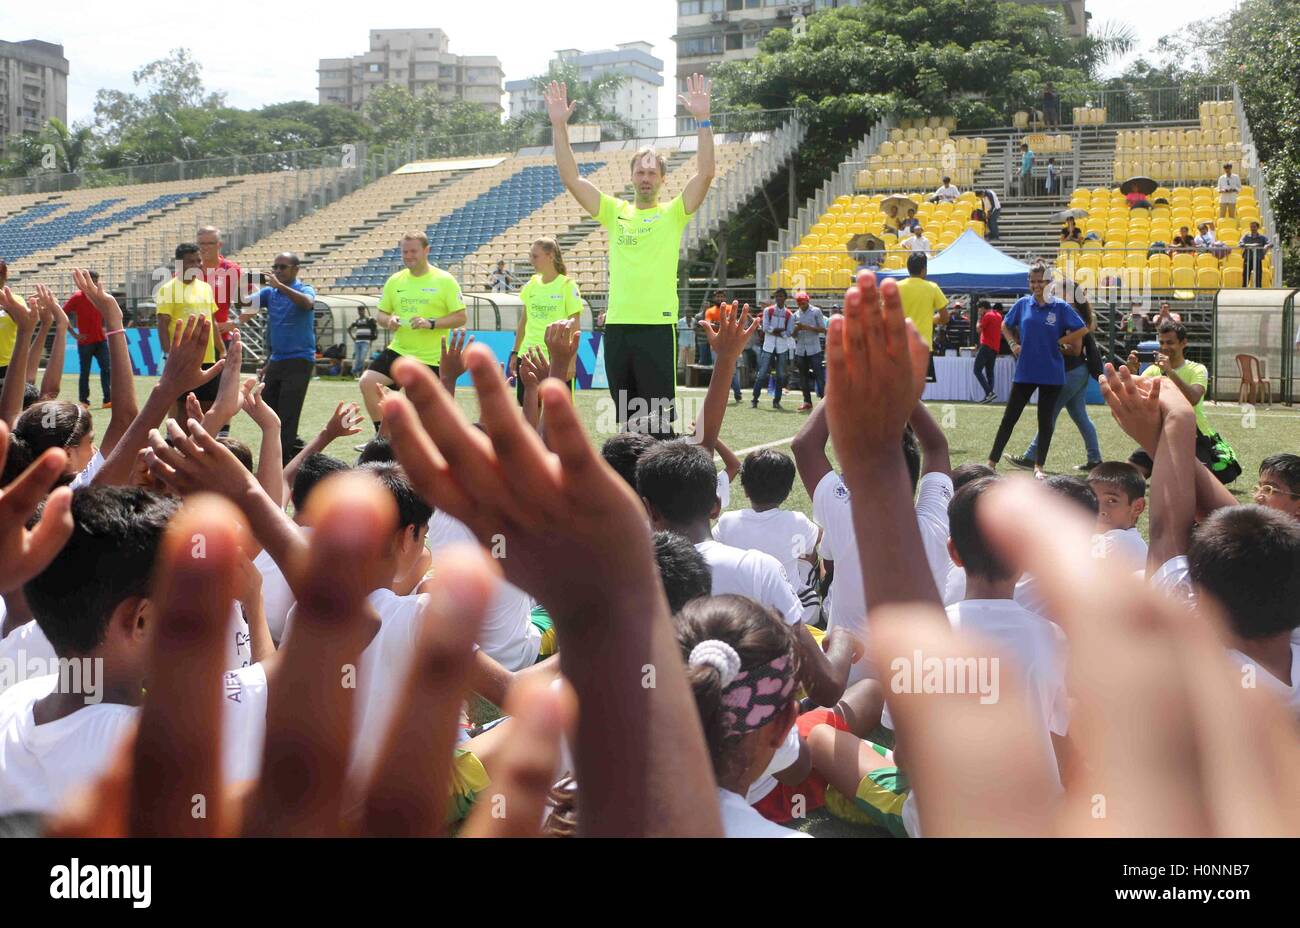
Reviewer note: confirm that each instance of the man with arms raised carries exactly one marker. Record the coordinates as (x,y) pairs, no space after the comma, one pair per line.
(645,239)
(419,304)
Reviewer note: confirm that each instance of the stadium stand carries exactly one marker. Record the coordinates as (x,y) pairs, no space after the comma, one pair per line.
(1134,245)
(822,261)
(1174,155)
(468,227)
(316,236)
(916,158)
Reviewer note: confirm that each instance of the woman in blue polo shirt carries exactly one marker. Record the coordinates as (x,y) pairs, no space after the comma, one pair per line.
(1036,328)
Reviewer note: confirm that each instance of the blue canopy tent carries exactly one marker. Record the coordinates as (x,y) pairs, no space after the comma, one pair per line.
(972,265)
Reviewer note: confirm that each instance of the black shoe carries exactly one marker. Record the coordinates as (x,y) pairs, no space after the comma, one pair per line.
(753,404)
(1089,466)
(989,398)
(776,404)
(1020,462)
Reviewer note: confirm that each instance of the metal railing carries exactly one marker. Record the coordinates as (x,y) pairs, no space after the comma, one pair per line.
(336,156)
(1137,104)
(1255,174)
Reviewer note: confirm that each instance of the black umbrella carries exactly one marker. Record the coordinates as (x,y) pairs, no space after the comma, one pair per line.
(1145,185)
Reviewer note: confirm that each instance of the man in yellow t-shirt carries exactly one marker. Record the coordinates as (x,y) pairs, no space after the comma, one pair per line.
(8,328)
(923,302)
(188,294)
(645,238)
(418,304)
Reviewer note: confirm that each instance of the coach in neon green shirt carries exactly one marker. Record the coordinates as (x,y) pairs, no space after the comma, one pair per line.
(645,240)
(549,296)
(419,304)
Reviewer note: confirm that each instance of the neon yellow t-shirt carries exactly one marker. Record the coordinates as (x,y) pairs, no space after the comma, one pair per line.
(434,295)
(1195,375)
(921,300)
(180,300)
(644,245)
(544,304)
(8,334)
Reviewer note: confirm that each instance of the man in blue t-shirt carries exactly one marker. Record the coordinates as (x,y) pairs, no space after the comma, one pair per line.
(291,338)
(1037,327)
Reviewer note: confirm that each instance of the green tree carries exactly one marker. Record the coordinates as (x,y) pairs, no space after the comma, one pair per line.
(978,60)
(594,98)
(1255,46)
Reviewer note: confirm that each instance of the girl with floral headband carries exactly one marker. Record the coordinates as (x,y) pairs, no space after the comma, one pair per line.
(741,664)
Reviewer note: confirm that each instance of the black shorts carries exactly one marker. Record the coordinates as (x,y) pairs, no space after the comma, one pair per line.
(641,367)
(208,392)
(385,361)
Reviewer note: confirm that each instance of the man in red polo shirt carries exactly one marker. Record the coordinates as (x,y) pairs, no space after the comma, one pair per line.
(222,275)
(990,328)
(87,325)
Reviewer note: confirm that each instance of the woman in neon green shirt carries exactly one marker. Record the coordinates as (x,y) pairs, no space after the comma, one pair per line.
(549,296)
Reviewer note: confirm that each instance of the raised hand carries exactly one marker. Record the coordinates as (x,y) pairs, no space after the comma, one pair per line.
(24,552)
(562,339)
(184,368)
(533,367)
(1134,401)
(346,420)
(103,300)
(250,400)
(454,344)
(558,107)
(696,99)
(876,363)
(229,397)
(1163,716)
(731,333)
(23,316)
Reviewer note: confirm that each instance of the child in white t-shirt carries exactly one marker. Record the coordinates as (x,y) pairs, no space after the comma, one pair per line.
(677,483)
(1121,500)
(791,537)
(869,772)
(59,731)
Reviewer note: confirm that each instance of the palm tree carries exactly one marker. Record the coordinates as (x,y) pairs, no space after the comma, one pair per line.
(1104,44)
(73,145)
(594,97)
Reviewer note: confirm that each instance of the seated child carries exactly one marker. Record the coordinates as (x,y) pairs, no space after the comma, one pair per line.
(790,537)
(741,664)
(1279,484)
(1121,500)
(868,771)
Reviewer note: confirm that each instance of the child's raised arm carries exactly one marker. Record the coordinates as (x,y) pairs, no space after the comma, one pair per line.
(270,456)
(121,378)
(24,317)
(52,381)
(727,338)
(876,364)
(935,458)
(345,421)
(555,507)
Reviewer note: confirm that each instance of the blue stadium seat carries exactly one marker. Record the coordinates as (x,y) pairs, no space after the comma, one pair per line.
(26,234)
(470,227)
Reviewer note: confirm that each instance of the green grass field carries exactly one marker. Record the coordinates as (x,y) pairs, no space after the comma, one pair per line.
(970,430)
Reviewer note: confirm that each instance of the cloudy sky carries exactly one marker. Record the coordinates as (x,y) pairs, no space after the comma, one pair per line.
(261,53)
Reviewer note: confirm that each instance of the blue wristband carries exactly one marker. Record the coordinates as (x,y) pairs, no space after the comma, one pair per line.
(704,124)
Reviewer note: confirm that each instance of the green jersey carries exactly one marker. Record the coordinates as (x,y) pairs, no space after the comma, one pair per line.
(433,295)
(644,245)
(544,304)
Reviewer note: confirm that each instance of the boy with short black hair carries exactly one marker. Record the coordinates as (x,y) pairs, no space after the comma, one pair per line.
(1121,499)
(683,570)
(1248,558)
(678,484)
(56,738)
(1279,484)
(791,537)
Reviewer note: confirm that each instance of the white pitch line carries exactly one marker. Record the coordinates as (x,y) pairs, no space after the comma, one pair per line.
(767,444)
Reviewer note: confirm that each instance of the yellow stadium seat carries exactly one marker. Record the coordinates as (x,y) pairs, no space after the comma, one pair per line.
(1208,278)
(822,279)
(1135,259)
(1183,277)
(1207,260)
(1231,277)
(1183,261)
(1157,278)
